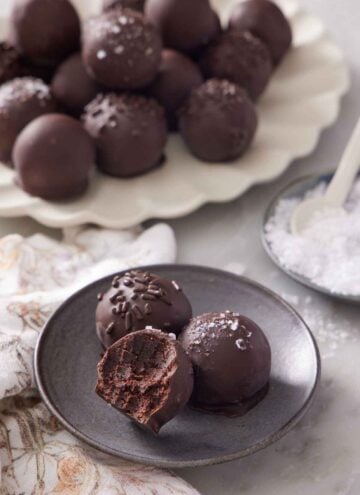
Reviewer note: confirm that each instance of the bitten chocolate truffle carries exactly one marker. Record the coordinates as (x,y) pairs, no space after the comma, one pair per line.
(232,361)
(241,58)
(177,77)
(10,62)
(73,87)
(146,376)
(45,31)
(218,121)
(130,133)
(121,49)
(265,20)
(186,25)
(21,101)
(137,300)
(53,157)
(130,4)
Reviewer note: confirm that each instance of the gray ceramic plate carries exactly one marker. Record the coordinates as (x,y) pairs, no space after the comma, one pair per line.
(298,188)
(68,351)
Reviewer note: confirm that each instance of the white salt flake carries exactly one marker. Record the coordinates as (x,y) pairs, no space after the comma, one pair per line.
(101,54)
(241,344)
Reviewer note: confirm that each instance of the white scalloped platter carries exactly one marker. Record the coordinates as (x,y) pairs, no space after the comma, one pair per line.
(302,99)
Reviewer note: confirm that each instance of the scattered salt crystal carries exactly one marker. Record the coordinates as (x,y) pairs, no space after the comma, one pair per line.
(118,50)
(328,252)
(172,336)
(234,325)
(241,344)
(101,54)
(123,20)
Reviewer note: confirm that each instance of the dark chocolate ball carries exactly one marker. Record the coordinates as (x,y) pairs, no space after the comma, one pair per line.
(241,58)
(45,31)
(21,101)
(218,121)
(44,72)
(53,157)
(11,64)
(177,77)
(137,300)
(130,133)
(231,358)
(130,4)
(186,25)
(147,376)
(265,20)
(121,50)
(72,86)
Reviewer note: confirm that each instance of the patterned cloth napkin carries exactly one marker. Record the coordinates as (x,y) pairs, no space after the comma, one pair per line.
(37,274)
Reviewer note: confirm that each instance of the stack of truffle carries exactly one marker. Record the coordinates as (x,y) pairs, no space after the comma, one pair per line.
(158,358)
(106,93)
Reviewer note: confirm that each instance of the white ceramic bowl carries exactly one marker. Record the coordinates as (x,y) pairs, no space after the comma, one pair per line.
(302,99)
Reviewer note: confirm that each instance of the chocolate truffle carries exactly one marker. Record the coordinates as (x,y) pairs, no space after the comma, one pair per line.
(137,300)
(218,121)
(45,31)
(186,25)
(10,62)
(241,58)
(72,86)
(121,50)
(53,156)
(130,4)
(232,360)
(147,376)
(177,77)
(265,20)
(130,133)
(21,101)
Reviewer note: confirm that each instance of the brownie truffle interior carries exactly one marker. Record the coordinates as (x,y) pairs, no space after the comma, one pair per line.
(147,376)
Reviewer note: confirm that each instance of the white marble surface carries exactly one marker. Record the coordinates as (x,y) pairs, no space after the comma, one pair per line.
(322,455)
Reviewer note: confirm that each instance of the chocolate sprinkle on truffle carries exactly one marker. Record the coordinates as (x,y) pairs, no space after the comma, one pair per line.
(168,305)
(232,360)
(218,122)
(147,376)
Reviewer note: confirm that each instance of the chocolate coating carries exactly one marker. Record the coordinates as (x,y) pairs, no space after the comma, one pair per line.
(177,77)
(241,58)
(265,20)
(10,62)
(72,86)
(147,376)
(130,4)
(231,358)
(218,122)
(186,25)
(53,156)
(21,101)
(137,300)
(45,31)
(121,50)
(130,133)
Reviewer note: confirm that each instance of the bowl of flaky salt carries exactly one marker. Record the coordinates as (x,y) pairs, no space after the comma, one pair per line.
(325,256)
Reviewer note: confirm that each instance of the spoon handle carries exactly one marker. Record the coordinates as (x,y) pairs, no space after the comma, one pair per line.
(346,172)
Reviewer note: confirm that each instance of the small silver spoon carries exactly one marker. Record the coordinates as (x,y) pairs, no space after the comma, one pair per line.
(337,191)
(298,189)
